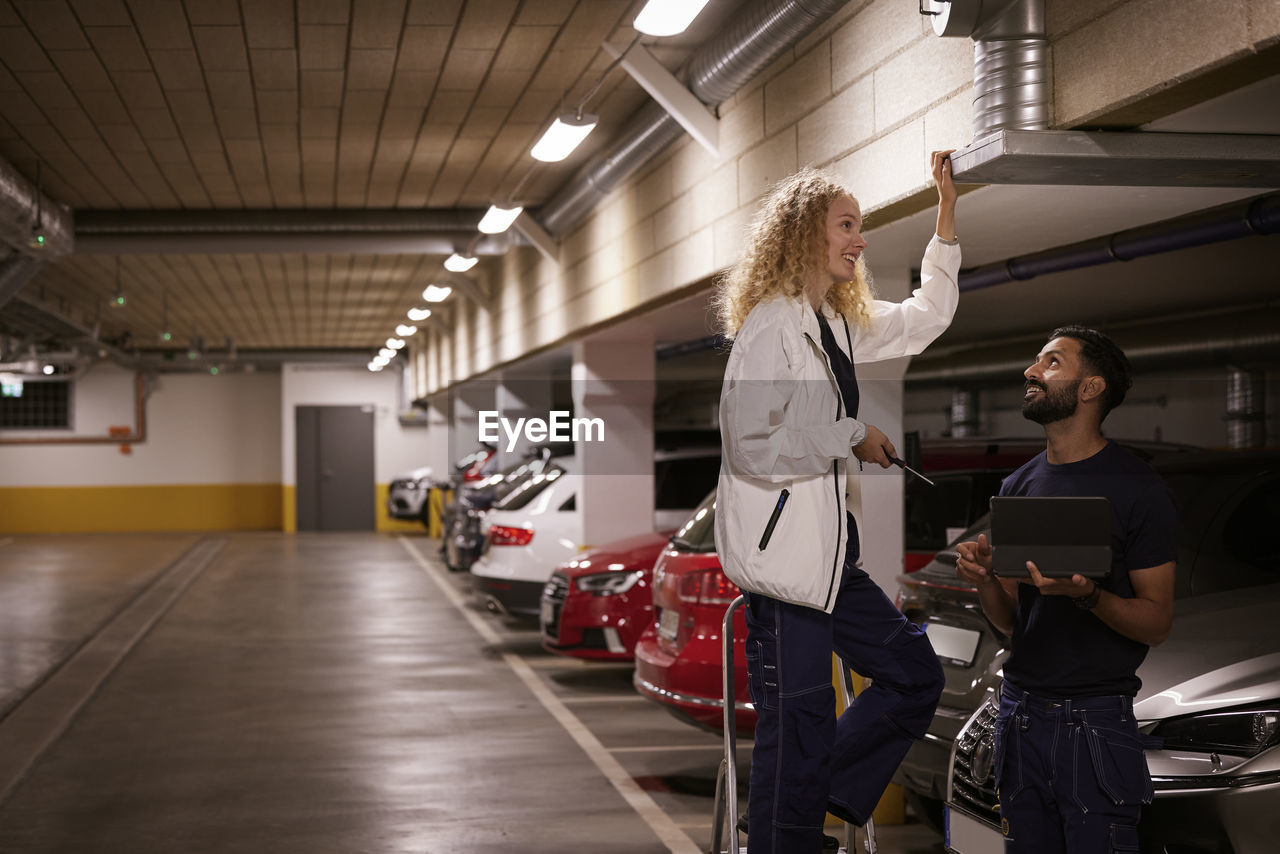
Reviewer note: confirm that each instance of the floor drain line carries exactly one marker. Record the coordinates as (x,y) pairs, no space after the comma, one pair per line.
(36,724)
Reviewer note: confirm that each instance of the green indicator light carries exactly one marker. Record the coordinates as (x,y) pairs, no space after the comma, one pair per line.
(40,239)
(119,300)
(191,356)
(167,336)
(213,371)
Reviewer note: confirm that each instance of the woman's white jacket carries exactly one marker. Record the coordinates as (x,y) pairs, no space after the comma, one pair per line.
(780,510)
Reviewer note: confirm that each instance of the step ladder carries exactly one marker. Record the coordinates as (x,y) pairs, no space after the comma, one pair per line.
(726,807)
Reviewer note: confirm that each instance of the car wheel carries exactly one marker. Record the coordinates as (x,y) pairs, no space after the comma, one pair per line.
(928,810)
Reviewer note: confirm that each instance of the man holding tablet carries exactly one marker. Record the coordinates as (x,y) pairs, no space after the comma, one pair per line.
(1070,770)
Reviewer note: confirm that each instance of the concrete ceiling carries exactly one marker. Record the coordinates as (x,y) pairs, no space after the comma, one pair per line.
(321,104)
(297,104)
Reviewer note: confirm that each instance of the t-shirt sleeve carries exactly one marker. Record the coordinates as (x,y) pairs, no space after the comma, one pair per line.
(1153,535)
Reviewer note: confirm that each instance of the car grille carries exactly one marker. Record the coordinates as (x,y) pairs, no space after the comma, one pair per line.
(553,596)
(973,783)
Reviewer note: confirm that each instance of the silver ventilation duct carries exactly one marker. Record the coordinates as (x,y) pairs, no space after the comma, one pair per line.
(1011,143)
(21,205)
(1246,410)
(757,36)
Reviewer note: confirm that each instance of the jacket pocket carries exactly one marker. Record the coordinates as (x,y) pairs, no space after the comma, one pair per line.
(773,518)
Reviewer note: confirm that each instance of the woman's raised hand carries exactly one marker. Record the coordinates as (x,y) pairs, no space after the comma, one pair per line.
(940,163)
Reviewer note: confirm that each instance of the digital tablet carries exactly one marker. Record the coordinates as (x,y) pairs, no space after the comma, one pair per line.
(1062,536)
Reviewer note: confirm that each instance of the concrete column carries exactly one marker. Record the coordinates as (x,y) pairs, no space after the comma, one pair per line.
(521,396)
(467,402)
(876,497)
(614,381)
(438,432)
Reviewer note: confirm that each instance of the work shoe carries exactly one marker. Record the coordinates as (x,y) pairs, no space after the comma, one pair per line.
(829,843)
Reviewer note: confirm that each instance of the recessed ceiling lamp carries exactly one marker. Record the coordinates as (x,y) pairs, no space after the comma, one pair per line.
(416,314)
(436,293)
(456,263)
(48,370)
(405,330)
(395,343)
(386,353)
(667,17)
(375,367)
(565,134)
(497,220)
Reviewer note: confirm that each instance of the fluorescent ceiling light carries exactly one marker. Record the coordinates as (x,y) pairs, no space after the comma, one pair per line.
(497,220)
(386,353)
(375,367)
(405,330)
(395,343)
(436,293)
(667,17)
(564,135)
(456,263)
(416,314)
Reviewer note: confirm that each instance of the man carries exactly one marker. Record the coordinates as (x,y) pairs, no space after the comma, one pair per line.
(1070,771)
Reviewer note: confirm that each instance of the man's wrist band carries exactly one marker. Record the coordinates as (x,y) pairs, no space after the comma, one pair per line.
(1089,602)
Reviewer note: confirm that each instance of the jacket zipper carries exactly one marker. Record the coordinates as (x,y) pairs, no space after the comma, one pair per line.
(835,464)
(773,518)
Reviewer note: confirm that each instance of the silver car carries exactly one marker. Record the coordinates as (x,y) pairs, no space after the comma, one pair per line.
(1211,693)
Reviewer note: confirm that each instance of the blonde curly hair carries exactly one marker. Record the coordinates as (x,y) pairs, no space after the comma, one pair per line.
(786,248)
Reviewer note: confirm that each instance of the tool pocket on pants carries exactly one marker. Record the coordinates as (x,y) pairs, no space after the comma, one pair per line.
(1119,766)
(762,654)
(1007,757)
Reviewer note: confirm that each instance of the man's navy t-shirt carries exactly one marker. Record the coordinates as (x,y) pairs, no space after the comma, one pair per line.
(1060,650)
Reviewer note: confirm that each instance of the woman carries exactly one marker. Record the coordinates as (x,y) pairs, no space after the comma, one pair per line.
(799,309)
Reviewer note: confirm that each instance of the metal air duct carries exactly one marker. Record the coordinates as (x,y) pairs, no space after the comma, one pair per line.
(16,271)
(21,204)
(1011,142)
(756,37)
(394,232)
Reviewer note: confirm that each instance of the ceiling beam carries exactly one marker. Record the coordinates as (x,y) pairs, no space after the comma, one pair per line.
(681,104)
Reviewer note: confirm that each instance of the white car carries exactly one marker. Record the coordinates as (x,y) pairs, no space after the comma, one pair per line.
(527,533)
(407,495)
(538,526)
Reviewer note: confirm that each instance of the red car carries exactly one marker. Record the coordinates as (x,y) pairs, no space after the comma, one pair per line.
(678,656)
(596,606)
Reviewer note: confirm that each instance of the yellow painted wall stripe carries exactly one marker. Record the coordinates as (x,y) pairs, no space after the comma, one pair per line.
(174,507)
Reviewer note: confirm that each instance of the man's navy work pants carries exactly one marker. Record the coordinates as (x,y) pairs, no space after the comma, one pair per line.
(805,762)
(1071,774)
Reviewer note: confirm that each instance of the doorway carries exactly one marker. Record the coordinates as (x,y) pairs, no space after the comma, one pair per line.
(335,468)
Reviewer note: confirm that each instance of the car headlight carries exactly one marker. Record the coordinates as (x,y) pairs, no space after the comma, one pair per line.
(1242,732)
(608,583)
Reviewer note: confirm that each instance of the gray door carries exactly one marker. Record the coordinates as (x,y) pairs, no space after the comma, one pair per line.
(335,468)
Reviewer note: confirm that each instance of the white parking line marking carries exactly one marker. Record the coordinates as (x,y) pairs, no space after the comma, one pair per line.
(654,748)
(612,698)
(676,840)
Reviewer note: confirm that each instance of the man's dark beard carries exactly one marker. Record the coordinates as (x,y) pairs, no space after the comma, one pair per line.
(1053,404)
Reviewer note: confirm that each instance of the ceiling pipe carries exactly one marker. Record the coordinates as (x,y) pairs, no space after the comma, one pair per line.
(401,232)
(1196,343)
(21,205)
(1258,216)
(756,37)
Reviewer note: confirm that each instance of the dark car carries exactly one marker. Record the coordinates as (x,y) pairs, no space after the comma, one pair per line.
(1229,510)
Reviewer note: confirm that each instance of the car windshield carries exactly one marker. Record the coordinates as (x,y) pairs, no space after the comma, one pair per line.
(698,533)
(529,488)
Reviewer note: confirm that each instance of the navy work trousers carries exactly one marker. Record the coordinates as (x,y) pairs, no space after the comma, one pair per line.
(806,763)
(1070,773)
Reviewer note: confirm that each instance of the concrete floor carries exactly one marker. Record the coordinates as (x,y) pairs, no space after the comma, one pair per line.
(318,693)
